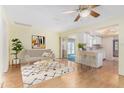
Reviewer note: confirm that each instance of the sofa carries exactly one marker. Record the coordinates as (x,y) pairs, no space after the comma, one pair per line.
(33,55)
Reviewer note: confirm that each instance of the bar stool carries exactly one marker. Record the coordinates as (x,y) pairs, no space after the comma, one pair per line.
(92,60)
(82,60)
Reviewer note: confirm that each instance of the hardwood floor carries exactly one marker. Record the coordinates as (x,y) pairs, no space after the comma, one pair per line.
(13,78)
(83,77)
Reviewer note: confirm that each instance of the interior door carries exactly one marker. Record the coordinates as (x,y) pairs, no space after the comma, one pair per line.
(64,48)
(115,48)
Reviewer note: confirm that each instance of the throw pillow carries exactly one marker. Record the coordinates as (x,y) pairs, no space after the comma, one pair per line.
(45,54)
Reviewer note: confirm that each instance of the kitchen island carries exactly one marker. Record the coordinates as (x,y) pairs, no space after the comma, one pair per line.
(92,58)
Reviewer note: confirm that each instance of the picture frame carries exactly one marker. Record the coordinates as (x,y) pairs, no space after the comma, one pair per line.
(38,42)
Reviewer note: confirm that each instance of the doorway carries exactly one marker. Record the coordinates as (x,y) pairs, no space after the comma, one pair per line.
(71,49)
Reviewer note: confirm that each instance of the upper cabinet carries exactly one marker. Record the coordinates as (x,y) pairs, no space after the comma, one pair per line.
(97,40)
(89,39)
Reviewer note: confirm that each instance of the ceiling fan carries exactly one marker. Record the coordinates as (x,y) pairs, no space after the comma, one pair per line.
(84,11)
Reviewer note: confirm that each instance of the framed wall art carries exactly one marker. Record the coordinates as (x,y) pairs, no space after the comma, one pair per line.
(38,42)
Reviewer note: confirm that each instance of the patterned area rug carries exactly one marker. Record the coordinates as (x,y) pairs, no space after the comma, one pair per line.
(40,71)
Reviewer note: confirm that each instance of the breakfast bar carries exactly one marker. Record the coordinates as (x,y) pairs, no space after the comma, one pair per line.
(91,58)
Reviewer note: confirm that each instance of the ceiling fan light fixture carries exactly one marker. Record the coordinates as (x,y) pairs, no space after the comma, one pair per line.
(85,13)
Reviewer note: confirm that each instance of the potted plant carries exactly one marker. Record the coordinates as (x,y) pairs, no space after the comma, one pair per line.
(16,47)
(81,46)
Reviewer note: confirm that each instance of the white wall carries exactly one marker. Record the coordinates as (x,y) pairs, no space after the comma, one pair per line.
(121,47)
(108,47)
(107,43)
(3,43)
(25,35)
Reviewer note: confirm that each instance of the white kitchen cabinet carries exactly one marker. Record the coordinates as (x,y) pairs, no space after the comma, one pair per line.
(91,58)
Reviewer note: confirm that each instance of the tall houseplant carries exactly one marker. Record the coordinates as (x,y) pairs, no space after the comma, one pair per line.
(16,47)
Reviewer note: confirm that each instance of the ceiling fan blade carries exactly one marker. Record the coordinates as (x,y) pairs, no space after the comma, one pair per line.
(69,12)
(94,14)
(93,6)
(82,7)
(77,18)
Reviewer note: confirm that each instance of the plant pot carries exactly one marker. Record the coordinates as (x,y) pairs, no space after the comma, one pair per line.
(15,61)
(80,49)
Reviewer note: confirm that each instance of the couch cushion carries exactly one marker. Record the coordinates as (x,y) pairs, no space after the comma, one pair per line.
(36,54)
(45,54)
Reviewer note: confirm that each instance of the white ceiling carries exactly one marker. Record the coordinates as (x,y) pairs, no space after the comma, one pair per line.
(106,31)
(50,17)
